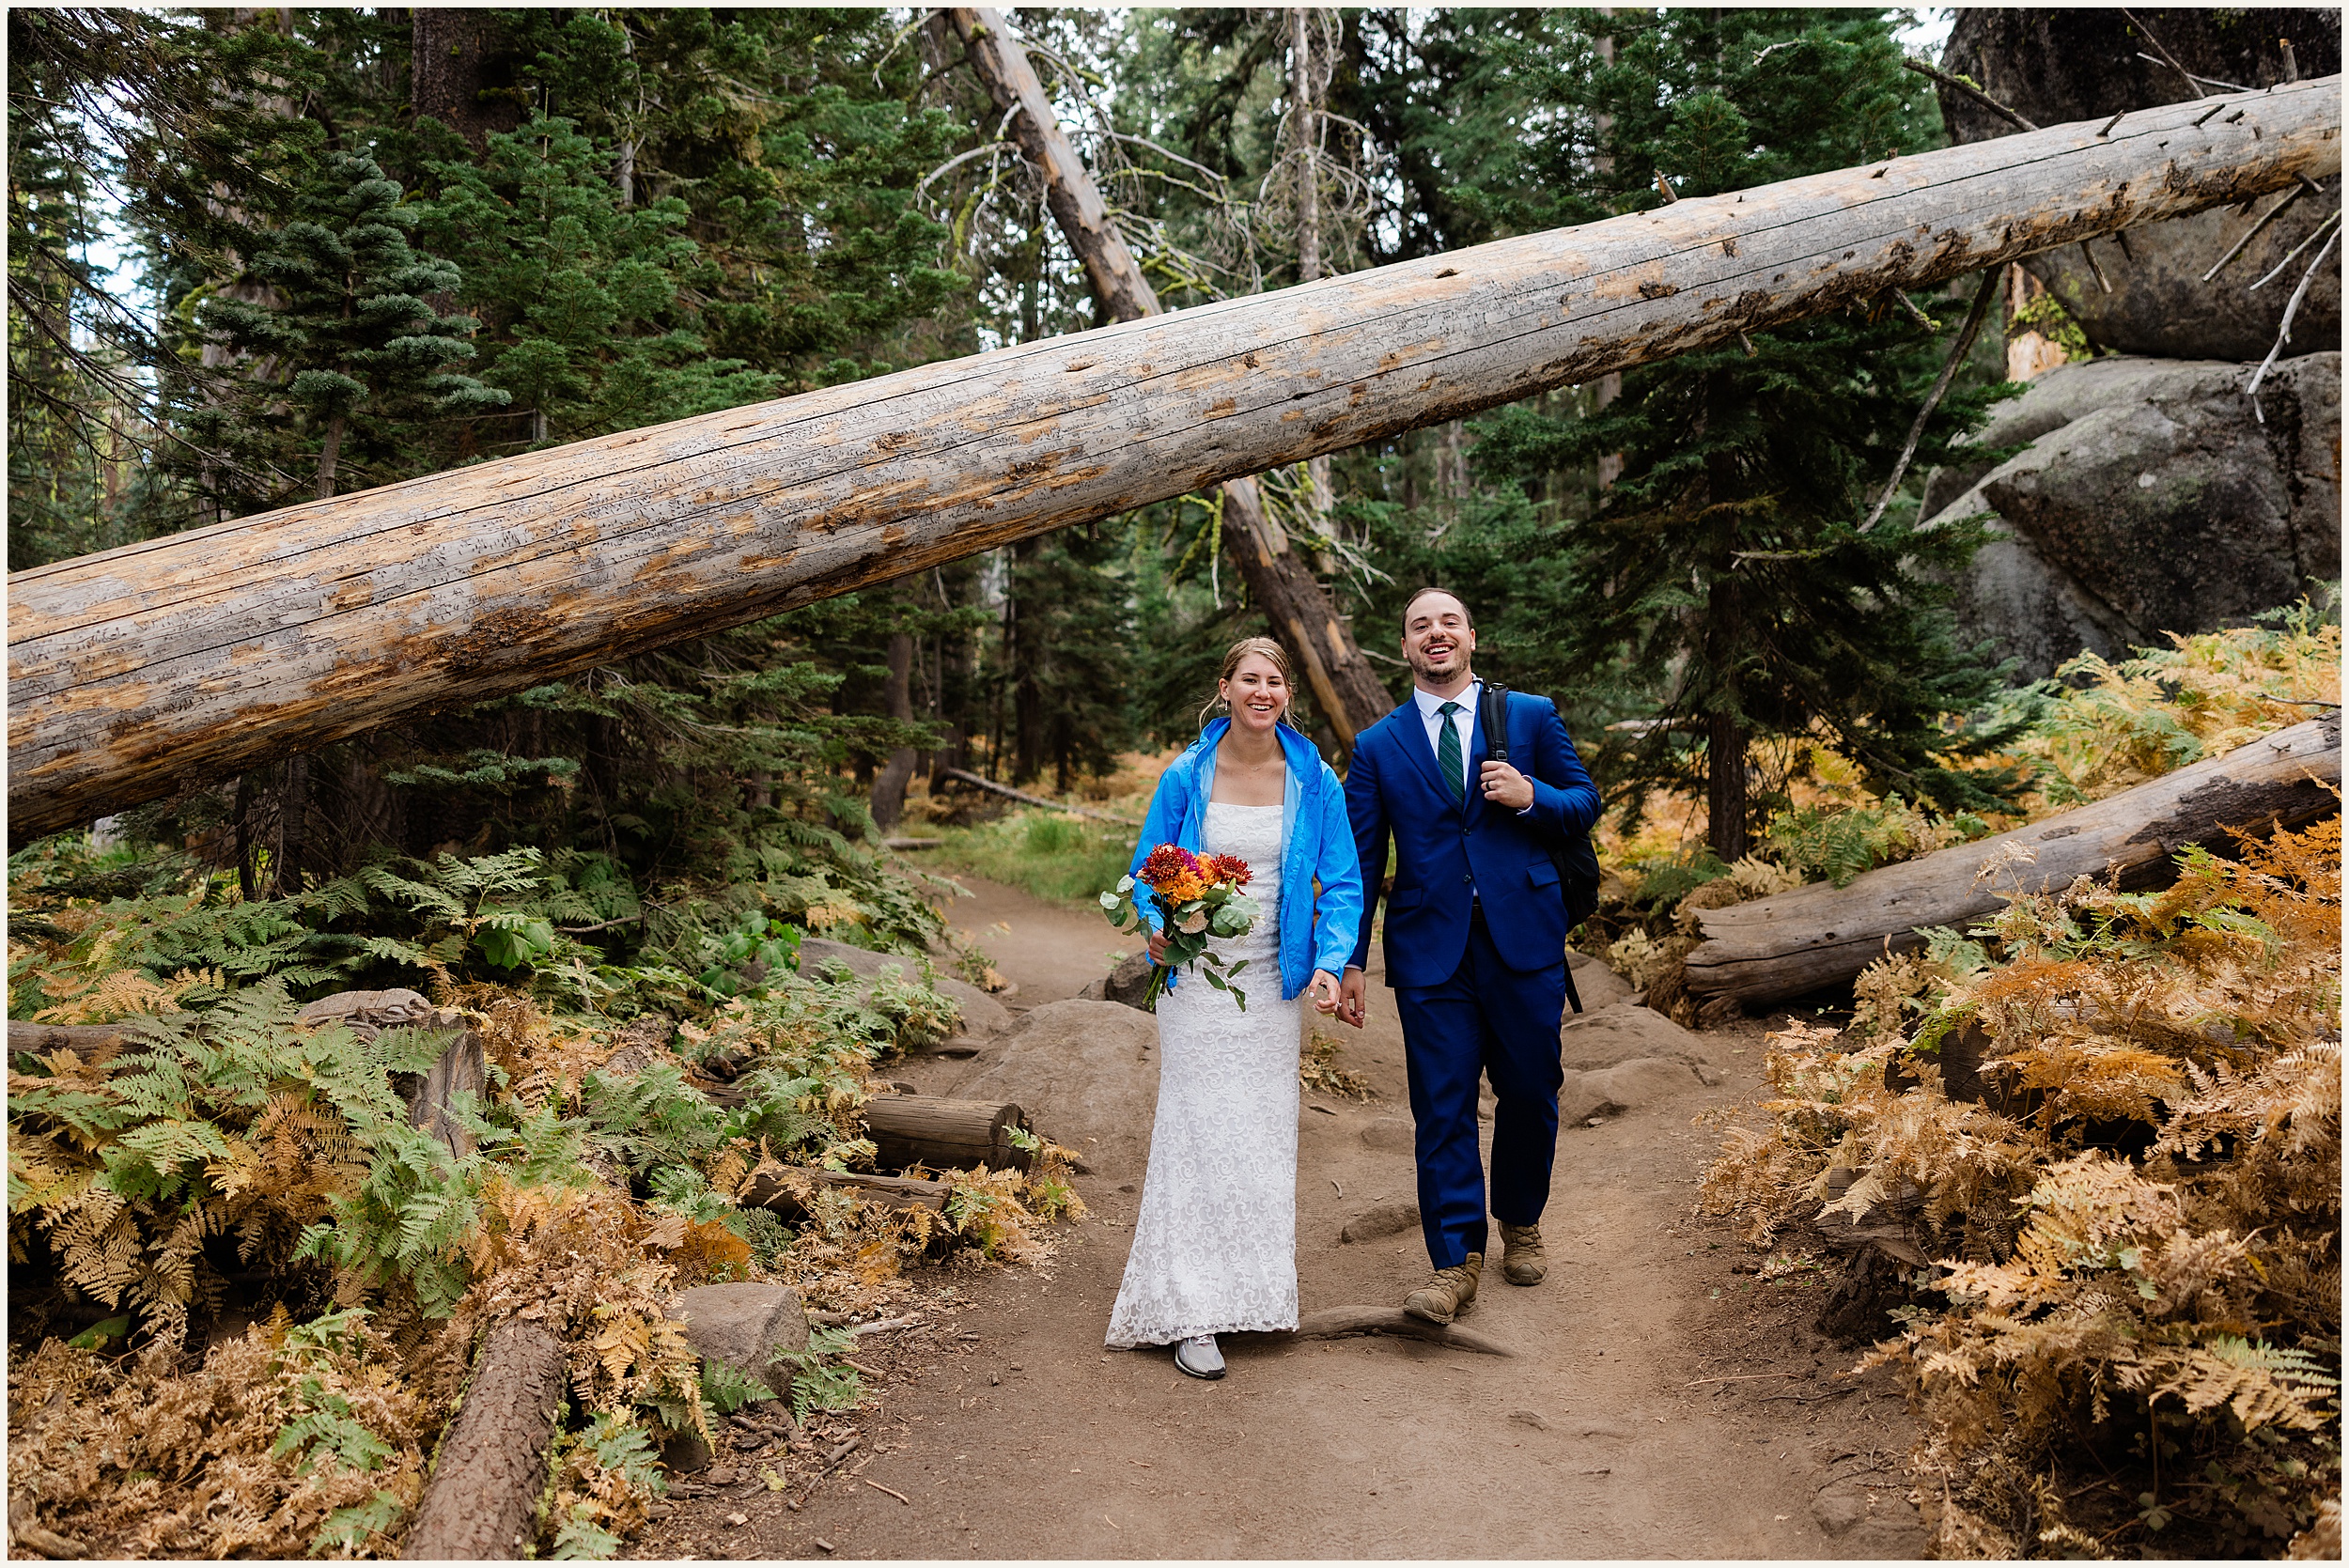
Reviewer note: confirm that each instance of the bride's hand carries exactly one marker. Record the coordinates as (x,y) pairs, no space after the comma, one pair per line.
(1324,990)
(1157,949)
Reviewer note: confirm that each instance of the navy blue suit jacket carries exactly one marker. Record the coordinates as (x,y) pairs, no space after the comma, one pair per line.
(1445,846)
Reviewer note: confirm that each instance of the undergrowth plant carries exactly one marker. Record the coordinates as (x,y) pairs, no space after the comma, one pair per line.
(2136,1230)
(212,1138)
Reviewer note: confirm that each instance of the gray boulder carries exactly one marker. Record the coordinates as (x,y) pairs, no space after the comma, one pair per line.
(982,1016)
(744,1325)
(1390,1217)
(2149,497)
(1086,1073)
(2055,66)
(1597,986)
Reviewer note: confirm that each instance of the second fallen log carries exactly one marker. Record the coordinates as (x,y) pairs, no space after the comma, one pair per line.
(946,1133)
(1821,935)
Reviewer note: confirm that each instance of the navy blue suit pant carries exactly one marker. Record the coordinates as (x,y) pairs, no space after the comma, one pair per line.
(1489,1020)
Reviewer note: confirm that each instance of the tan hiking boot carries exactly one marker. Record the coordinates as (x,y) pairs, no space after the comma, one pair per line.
(1449,1294)
(1523,1261)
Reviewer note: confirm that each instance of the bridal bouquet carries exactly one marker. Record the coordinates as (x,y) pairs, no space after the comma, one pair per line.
(1196,896)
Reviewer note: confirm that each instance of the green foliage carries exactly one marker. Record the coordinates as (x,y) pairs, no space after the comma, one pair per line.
(815,1383)
(726,1388)
(336,301)
(1055,857)
(1836,843)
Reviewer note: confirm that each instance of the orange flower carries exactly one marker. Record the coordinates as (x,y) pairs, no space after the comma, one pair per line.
(1229,868)
(1182,887)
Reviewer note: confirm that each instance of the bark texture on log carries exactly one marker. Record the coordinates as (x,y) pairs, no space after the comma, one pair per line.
(86,1040)
(180,660)
(1344,685)
(903,1192)
(483,1498)
(1776,948)
(944,1134)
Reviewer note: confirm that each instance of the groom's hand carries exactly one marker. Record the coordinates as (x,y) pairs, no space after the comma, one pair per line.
(1504,785)
(1354,998)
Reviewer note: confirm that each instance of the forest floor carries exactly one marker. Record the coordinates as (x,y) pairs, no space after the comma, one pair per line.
(1670,1397)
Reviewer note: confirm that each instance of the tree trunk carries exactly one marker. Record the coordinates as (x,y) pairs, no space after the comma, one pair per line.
(330,452)
(1818,936)
(1304,106)
(293,824)
(889,785)
(1725,785)
(459,74)
(178,660)
(483,1498)
(1725,727)
(1280,585)
(1610,386)
(1024,650)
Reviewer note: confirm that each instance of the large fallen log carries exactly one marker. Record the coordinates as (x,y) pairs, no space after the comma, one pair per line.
(180,660)
(1776,948)
(483,1498)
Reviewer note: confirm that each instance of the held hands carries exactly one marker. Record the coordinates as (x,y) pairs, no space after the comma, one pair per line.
(1353,1003)
(1324,989)
(1504,785)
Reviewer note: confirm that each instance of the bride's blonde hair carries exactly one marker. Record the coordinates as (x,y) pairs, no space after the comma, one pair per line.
(1264,648)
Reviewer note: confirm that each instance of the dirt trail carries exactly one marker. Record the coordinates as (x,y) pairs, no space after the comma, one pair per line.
(1667,1400)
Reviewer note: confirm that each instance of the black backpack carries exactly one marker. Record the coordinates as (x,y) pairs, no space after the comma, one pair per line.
(1577,862)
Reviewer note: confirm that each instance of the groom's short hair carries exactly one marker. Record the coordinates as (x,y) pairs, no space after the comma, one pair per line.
(1466,613)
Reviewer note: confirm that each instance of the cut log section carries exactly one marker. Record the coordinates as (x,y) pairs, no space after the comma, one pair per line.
(178,662)
(789,1193)
(944,1135)
(483,1498)
(1798,941)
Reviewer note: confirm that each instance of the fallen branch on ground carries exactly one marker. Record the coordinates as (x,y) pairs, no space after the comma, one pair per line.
(1337,1323)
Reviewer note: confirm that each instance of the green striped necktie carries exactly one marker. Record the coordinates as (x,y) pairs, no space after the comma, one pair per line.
(1448,753)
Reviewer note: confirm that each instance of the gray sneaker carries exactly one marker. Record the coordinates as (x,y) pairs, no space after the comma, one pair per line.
(1197,1357)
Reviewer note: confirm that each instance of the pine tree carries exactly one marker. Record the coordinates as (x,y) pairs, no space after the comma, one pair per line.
(1726,569)
(361,356)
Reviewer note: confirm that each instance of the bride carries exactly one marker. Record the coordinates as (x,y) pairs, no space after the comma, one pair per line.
(1215,1246)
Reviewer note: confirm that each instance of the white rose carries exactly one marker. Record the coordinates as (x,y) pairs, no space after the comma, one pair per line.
(1194,923)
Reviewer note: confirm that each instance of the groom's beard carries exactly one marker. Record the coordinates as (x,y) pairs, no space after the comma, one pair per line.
(1454,665)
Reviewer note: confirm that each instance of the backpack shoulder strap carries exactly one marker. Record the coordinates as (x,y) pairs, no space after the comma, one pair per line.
(1493,716)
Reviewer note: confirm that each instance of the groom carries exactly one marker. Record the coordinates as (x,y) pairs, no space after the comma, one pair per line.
(1476,937)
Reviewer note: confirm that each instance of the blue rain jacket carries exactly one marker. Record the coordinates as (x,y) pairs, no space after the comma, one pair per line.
(1317,844)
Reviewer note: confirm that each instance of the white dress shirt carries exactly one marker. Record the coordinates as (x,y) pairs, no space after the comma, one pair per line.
(1463,722)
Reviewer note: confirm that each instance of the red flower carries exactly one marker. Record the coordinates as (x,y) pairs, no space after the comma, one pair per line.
(1228,868)
(1167,861)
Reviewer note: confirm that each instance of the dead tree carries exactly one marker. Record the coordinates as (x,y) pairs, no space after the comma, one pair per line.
(1279,582)
(180,660)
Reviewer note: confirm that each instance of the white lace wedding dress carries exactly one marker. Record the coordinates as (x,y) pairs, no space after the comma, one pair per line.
(1215,1246)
